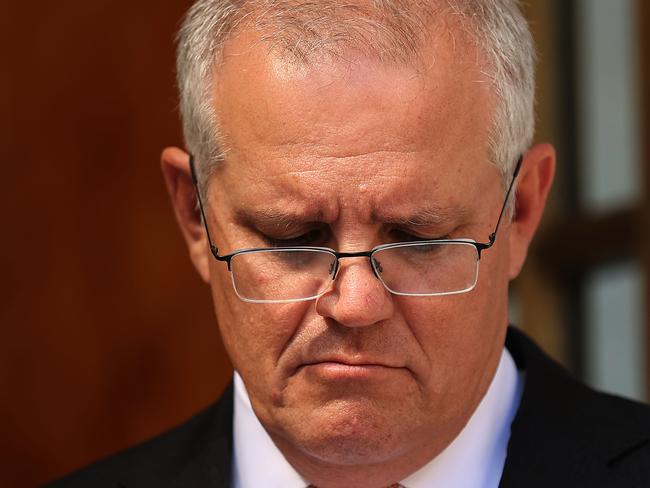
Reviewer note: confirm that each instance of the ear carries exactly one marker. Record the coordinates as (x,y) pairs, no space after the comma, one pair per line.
(534,183)
(175,164)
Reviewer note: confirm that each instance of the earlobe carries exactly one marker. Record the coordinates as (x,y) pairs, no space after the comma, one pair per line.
(176,172)
(535,180)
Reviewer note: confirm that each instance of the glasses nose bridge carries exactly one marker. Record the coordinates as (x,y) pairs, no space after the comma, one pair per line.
(359,254)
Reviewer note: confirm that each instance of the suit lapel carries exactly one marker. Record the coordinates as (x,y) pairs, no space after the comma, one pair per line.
(564,434)
(200,454)
(210,462)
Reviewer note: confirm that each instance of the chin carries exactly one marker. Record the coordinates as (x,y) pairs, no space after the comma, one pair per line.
(349,433)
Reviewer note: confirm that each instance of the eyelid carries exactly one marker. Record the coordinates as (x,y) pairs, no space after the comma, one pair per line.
(308,237)
(416,235)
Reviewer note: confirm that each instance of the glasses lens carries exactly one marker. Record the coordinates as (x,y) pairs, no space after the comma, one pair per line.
(428,269)
(271,275)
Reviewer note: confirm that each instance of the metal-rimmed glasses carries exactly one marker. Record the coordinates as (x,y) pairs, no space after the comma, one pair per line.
(300,273)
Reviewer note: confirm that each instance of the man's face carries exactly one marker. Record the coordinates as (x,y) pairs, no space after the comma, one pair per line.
(350,155)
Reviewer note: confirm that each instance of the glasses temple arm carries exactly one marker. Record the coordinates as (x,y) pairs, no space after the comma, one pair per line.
(195,181)
(493,236)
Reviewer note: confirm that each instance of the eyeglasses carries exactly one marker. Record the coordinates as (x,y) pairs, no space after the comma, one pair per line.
(300,273)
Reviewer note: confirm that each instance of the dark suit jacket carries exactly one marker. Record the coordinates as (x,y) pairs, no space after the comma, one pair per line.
(564,435)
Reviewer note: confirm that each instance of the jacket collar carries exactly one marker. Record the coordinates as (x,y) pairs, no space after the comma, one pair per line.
(564,430)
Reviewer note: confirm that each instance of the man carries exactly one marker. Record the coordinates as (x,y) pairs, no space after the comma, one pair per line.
(354,164)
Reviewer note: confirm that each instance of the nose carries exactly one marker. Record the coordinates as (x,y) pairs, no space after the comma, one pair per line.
(356,298)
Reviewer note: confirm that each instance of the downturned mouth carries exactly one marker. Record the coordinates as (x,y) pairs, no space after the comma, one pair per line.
(342,363)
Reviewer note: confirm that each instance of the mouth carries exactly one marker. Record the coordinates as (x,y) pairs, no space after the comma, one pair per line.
(336,369)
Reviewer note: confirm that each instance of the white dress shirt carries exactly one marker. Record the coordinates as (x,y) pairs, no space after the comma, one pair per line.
(475,459)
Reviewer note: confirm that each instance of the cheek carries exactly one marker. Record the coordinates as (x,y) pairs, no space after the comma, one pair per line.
(456,334)
(436,324)
(255,335)
(443,326)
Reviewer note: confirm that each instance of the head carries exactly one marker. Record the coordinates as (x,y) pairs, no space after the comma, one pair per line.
(350,125)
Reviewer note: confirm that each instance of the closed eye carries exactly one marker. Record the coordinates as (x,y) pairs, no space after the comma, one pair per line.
(400,235)
(314,237)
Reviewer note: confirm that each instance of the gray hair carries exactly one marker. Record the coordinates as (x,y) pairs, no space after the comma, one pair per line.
(388,29)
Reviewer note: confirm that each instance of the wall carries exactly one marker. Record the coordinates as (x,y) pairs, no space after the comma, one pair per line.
(107,334)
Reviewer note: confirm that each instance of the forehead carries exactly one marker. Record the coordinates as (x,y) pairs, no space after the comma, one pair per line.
(351,122)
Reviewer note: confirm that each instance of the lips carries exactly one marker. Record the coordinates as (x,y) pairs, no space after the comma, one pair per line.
(345,368)
(352,362)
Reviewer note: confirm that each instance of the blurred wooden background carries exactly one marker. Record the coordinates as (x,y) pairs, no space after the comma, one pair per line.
(107,335)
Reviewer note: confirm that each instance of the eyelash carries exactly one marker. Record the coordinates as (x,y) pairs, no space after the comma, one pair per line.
(310,238)
(407,236)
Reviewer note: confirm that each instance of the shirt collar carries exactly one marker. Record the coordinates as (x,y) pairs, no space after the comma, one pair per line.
(475,458)
(256,460)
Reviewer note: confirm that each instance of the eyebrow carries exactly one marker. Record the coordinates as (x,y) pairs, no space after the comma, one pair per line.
(280,219)
(431,216)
